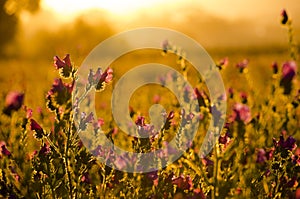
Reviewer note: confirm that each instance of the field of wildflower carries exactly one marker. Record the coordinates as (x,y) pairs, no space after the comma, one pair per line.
(256,156)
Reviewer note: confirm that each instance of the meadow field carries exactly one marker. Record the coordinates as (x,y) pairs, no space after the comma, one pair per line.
(51,147)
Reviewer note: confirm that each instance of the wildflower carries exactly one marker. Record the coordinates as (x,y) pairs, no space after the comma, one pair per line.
(58,63)
(222,63)
(156,99)
(261,156)
(152,175)
(168,120)
(4,150)
(289,70)
(34,126)
(13,102)
(44,150)
(241,112)
(140,121)
(29,113)
(284,17)
(99,79)
(14,173)
(84,120)
(289,143)
(86,178)
(64,66)
(224,139)
(59,94)
(165,46)
(244,97)
(242,65)
(202,97)
(184,183)
(230,92)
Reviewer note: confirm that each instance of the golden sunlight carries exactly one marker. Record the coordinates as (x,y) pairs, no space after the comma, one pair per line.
(116,7)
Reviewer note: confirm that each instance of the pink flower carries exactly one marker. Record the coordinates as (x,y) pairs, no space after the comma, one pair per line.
(156,99)
(34,126)
(86,178)
(4,150)
(184,183)
(140,121)
(44,150)
(242,65)
(28,113)
(222,63)
(84,120)
(289,70)
(13,102)
(66,62)
(241,112)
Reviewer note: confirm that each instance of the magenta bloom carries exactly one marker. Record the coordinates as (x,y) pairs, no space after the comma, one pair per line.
(241,112)
(86,178)
(222,63)
(242,65)
(289,70)
(13,102)
(184,183)
(34,126)
(66,62)
(44,150)
(4,150)
(140,121)
(288,144)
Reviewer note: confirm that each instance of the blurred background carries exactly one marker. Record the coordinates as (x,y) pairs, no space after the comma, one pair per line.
(33,31)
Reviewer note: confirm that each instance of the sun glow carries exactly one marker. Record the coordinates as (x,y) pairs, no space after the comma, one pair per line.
(116,7)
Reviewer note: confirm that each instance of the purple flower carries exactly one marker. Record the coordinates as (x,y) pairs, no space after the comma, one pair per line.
(241,112)
(230,92)
(99,79)
(152,175)
(66,62)
(242,65)
(85,119)
(289,70)
(224,139)
(289,143)
(222,63)
(261,156)
(284,17)
(86,178)
(44,150)
(4,150)
(202,97)
(13,102)
(184,183)
(34,126)
(244,97)
(140,121)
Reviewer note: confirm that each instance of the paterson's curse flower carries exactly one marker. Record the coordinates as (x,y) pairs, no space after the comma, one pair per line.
(289,70)
(34,126)
(241,112)
(13,102)
(64,66)
(4,150)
